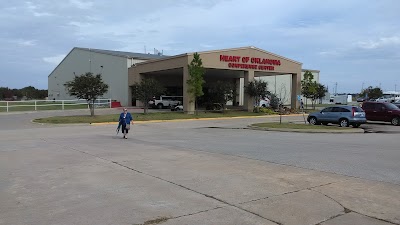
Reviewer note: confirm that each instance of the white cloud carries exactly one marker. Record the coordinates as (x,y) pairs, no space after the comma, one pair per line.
(40,14)
(81,4)
(381,42)
(33,8)
(55,60)
(79,24)
(26,42)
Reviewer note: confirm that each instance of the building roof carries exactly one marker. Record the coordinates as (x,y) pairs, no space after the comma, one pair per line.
(128,55)
(221,50)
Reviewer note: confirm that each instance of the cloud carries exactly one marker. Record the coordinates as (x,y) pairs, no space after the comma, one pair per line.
(26,43)
(55,60)
(81,4)
(381,42)
(79,24)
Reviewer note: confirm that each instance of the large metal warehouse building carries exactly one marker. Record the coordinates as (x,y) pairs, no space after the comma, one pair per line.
(116,67)
(113,65)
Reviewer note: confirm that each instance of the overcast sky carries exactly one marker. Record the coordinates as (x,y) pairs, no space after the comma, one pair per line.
(351,41)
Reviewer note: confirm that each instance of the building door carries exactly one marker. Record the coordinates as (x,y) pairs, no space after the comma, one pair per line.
(133,101)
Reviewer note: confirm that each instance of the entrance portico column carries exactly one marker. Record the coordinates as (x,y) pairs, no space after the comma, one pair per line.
(248,102)
(296,89)
(188,103)
(236,98)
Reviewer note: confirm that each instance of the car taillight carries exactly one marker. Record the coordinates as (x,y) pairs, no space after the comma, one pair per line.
(353,110)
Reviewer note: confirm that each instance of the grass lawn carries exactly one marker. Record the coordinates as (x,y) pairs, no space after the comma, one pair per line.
(30,106)
(143,117)
(299,126)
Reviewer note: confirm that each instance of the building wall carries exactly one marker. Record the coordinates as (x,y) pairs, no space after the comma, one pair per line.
(281,85)
(114,73)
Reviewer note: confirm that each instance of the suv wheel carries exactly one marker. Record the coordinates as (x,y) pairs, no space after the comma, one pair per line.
(160,106)
(344,123)
(396,121)
(313,121)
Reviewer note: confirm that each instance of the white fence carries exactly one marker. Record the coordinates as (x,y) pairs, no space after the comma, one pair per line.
(36,105)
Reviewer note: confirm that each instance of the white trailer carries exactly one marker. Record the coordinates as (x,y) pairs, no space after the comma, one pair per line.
(342,99)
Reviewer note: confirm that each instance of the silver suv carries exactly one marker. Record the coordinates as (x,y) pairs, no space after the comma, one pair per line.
(342,115)
(165,101)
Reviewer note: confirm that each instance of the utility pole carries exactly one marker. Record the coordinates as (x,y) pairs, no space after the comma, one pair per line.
(336,88)
(362,86)
(90,60)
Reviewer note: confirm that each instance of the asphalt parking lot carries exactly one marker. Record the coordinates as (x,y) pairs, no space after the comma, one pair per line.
(197,172)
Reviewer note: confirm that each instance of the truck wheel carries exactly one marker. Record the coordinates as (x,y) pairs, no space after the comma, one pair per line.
(396,121)
(343,122)
(160,106)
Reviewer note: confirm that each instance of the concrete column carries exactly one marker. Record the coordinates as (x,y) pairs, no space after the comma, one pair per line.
(296,89)
(137,79)
(188,101)
(129,96)
(248,102)
(236,99)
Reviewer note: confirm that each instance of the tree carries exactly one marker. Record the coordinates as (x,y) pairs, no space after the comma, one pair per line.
(256,89)
(196,80)
(308,86)
(312,89)
(88,87)
(221,92)
(372,93)
(321,91)
(146,90)
(274,101)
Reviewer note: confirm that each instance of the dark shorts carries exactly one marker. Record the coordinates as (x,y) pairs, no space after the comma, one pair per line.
(124,130)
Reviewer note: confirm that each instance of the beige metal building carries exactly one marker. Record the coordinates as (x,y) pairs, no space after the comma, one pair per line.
(230,65)
(113,65)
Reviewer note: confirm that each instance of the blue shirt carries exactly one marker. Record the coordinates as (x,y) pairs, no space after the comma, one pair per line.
(125,118)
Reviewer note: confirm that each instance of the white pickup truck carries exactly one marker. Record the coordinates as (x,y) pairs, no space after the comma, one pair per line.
(165,101)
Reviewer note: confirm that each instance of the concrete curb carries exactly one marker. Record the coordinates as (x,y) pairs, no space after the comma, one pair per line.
(327,131)
(199,119)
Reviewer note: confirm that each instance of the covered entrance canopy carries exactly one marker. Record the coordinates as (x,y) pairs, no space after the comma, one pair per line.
(227,64)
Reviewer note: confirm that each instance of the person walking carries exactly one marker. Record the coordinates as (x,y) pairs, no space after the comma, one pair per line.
(125,119)
(301,104)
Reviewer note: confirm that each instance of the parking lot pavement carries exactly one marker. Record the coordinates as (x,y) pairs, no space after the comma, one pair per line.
(381,127)
(196,173)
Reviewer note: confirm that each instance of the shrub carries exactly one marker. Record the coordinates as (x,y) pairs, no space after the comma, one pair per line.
(267,111)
